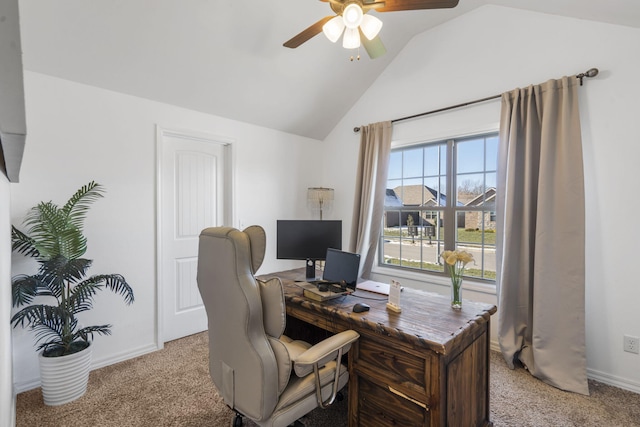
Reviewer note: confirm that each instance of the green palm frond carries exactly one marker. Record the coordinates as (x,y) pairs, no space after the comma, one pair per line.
(81,297)
(87,333)
(23,244)
(59,270)
(40,314)
(58,231)
(44,225)
(75,210)
(51,331)
(119,285)
(71,243)
(82,294)
(24,288)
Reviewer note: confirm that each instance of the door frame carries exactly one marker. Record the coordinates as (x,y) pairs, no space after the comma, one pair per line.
(228,197)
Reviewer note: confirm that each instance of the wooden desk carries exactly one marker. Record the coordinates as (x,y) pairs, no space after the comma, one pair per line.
(425,366)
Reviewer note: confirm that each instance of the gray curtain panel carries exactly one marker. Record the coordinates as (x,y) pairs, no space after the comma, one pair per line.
(541,234)
(371,182)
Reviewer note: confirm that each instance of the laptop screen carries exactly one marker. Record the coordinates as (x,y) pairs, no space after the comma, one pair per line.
(340,265)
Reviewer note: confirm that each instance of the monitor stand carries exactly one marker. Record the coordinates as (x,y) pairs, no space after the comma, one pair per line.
(311,269)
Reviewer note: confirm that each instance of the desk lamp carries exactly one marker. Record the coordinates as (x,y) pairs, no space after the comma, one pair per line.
(319,198)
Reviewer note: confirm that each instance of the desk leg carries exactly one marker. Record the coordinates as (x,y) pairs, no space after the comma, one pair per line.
(353,386)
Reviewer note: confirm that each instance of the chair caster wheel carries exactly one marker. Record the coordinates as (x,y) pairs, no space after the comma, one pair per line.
(237,421)
(339,396)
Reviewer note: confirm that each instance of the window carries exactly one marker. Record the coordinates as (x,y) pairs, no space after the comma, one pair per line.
(441,195)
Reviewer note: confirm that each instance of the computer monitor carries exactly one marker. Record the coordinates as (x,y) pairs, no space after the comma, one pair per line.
(307,240)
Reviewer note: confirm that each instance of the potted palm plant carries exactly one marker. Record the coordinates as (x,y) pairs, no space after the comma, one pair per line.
(54,238)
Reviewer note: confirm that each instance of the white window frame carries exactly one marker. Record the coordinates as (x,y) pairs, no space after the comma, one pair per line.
(477,285)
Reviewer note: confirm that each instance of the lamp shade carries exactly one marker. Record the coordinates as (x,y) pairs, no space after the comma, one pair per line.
(319,199)
(370,26)
(351,39)
(352,15)
(334,28)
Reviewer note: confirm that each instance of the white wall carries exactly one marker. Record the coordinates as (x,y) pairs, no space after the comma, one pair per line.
(79,133)
(7,398)
(492,50)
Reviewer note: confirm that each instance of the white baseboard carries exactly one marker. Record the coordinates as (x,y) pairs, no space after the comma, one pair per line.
(23,386)
(126,355)
(613,380)
(593,374)
(27,385)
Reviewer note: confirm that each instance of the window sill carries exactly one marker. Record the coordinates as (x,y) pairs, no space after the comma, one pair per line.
(432,279)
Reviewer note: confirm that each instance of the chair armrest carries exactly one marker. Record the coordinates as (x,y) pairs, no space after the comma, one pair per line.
(324,352)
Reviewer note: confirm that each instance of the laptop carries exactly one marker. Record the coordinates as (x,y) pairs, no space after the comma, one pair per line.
(340,276)
(341,266)
(371,286)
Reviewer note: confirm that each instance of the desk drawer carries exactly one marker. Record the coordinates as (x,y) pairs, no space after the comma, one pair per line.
(380,407)
(405,371)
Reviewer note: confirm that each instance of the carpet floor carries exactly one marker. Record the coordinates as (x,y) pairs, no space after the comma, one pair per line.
(172,387)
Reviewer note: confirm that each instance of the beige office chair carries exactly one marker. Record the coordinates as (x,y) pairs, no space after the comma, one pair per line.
(260,373)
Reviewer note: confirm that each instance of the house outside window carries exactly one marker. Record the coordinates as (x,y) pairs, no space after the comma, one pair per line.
(441,195)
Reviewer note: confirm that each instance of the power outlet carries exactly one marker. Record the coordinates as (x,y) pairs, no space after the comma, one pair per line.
(631,344)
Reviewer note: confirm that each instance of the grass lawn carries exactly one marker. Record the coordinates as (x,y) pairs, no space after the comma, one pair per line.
(464,235)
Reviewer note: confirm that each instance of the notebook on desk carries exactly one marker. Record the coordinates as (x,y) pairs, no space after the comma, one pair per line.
(311,291)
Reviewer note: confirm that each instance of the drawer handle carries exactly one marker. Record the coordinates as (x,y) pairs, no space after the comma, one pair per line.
(401,394)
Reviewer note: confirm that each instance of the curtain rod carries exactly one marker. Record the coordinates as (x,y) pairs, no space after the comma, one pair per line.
(592,72)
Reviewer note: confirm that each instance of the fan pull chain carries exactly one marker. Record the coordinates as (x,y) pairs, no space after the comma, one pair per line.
(357,57)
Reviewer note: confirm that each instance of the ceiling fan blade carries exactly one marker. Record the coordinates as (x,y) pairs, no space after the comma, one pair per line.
(305,35)
(375,5)
(398,5)
(374,47)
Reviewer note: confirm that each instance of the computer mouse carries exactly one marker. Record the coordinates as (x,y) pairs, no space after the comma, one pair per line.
(359,307)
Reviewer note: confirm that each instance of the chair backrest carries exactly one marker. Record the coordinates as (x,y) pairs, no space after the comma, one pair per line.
(241,361)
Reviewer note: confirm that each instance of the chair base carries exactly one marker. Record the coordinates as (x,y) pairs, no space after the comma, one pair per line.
(238,422)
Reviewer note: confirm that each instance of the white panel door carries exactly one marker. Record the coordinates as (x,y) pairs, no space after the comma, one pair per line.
(192,197)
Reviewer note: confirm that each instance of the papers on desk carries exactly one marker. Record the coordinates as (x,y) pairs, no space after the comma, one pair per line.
(394,297)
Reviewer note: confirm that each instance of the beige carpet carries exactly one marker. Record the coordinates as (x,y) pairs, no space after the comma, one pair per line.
(172,388)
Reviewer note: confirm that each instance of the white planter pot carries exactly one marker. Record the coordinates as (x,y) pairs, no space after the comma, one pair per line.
(64,378)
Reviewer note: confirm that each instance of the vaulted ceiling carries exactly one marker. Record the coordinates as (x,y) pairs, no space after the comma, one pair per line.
(226,57)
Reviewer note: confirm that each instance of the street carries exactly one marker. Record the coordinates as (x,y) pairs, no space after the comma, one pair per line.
(431,253)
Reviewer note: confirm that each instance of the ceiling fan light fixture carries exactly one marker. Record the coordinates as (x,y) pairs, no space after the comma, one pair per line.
(352,16)
(334,28)
(351,39)
(370,26)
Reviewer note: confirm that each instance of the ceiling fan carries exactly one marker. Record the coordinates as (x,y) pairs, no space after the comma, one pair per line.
(351,18)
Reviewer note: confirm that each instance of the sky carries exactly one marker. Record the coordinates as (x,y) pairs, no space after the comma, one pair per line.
(477,160)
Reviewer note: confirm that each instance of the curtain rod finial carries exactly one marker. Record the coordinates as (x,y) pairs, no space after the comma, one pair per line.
(356,129)
(591,72)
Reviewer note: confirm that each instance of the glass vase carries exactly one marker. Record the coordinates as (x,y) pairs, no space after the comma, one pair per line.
(456,294)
